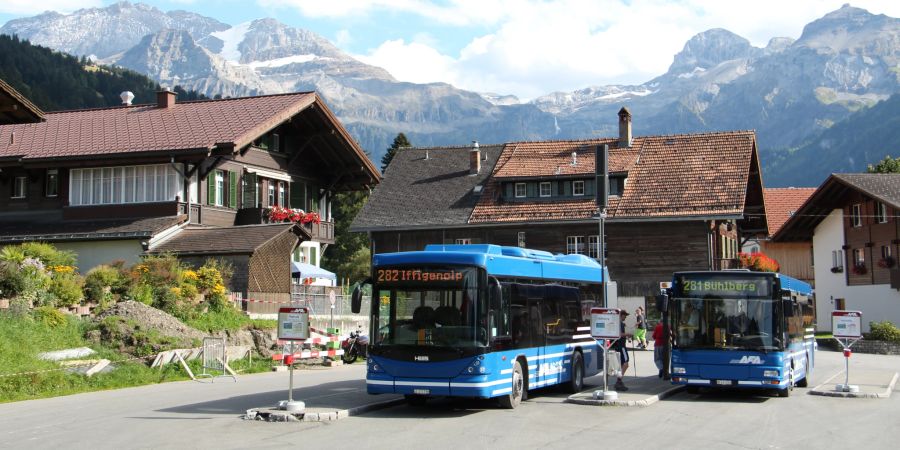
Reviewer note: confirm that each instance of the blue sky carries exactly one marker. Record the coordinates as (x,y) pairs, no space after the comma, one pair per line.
(521,47)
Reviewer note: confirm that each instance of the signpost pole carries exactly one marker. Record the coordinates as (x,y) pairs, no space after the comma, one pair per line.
(293,326)
(291,370)
(846,328)
(606,329)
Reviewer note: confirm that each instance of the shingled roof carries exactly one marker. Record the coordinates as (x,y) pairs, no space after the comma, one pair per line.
(672,176)
(225,240)
(782,203)
(420,192)
(832,194)
(72,230)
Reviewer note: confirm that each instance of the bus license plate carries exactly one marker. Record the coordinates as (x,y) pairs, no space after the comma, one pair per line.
(724,382)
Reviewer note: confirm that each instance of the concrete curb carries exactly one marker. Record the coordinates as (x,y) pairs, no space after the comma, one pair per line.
(274,415)
(818,390)
(645,402)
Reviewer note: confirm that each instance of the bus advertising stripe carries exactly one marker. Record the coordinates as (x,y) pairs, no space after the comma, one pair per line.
(506,371)
(501,391)
(421,383)
(380,382)
(481,384)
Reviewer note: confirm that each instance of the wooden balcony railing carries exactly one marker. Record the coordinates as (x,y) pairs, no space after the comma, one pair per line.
(320,232)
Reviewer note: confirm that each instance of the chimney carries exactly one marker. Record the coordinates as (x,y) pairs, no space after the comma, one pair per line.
(126,97)
(574,158)
(474,159)
(624,128)
(165,98)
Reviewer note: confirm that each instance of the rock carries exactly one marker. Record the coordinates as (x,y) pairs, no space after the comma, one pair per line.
(264,342)
(70,353)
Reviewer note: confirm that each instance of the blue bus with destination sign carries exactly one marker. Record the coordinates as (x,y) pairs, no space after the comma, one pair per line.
(480,321)
(741,329)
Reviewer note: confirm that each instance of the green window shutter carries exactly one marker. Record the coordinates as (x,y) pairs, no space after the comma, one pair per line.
(313,255)
(211,187)
(248,197)
(298,190)
(232,189)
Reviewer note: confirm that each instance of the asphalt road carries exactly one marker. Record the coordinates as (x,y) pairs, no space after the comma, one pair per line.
(205,415)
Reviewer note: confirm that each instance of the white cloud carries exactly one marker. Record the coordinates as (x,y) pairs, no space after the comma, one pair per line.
(537,46)
(30,7)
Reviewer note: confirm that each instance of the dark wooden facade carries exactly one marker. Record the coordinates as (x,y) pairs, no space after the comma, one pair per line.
(872,239)
(639,254)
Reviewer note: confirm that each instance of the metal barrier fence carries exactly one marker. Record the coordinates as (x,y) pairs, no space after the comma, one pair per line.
(215,359)
(320,310)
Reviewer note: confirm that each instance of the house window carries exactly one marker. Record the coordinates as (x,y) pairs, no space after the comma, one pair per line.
(520,190)
(521,239)
(880,212)
(281,198)
(575,245)
(271,193)
(220,188)
(616,185)
(886,252)
(837,261)
(20,187)
(855,218)
(545,189)
(578,188)
(276,142)
(594,246)
(51,187)
(464,241)
(119,185)
(859,257)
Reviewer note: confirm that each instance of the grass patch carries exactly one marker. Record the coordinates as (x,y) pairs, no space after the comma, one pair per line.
(824,335)
(229,319)
(23,337)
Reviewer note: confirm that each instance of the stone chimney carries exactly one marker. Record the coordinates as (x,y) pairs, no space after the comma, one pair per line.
(474,159)
(624,128)
(165,98)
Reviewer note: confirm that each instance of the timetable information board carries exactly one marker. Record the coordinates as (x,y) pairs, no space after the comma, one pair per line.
(846,324)
(293,324)
(605,323)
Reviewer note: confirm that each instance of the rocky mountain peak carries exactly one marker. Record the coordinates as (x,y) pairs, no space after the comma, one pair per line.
(850,28)
(710,48)
(268,39)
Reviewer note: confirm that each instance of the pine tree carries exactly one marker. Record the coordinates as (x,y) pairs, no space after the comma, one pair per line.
(399,142)
(345,252)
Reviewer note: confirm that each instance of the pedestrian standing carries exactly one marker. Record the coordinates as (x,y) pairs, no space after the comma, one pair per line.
(659,343)
(623,352)
(640,330)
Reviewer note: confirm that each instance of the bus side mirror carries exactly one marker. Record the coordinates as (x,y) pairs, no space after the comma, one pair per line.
(662,303)
(356,298)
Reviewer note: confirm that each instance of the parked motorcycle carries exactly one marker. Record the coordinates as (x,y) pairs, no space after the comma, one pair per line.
(354,346)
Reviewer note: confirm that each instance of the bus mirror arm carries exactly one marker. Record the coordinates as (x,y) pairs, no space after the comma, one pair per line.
(356,298)
(662,302)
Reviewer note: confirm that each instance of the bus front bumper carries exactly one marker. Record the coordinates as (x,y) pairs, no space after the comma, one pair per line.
(475,386)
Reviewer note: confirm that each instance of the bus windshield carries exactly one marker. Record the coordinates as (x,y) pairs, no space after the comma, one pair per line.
(430,307)
(727,323)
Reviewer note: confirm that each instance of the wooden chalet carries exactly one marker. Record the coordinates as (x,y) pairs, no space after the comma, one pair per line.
(677,202)
(196,179)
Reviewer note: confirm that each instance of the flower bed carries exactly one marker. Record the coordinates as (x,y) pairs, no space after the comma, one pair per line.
(279,214)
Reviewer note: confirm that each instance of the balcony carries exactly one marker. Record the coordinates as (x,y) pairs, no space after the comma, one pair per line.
(322,232)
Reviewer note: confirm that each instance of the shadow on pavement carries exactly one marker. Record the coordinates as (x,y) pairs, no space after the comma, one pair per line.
(337,395)
(722,396)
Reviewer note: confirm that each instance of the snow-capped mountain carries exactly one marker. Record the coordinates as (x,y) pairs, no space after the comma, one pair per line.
(787,91)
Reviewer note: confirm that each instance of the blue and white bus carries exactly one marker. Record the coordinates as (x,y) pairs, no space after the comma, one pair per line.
(480,321)
(741,329)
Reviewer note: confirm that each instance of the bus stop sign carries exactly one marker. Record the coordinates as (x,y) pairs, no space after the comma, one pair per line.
(846,324)
(293,324)
(605,323)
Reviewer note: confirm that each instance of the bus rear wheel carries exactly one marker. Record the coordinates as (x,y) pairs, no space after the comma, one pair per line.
(511,400)
(576,384)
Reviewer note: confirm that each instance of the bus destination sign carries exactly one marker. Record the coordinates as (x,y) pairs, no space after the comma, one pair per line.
(725,287)
(419,276)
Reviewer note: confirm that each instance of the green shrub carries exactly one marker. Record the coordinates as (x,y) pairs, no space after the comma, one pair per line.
(884,331)
(48,254)
(68,288)
(141,292)
(49,316)
(100,283)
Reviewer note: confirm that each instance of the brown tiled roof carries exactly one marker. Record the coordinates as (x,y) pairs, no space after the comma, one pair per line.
(59,231)
(782,203)
(686,175)
(554,158)
(225,240)
(148,128)
(20,108)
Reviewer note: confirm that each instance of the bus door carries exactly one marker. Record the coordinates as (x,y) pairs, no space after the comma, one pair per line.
(527,325)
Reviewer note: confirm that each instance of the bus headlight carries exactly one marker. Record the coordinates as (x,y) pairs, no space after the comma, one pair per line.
(679,370)
(770,373)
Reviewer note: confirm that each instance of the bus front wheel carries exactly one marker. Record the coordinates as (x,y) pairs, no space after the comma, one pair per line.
(511,400)
(576,384)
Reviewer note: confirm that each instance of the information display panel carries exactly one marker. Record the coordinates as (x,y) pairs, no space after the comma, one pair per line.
(846,324)
(605,323)
(293,324)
